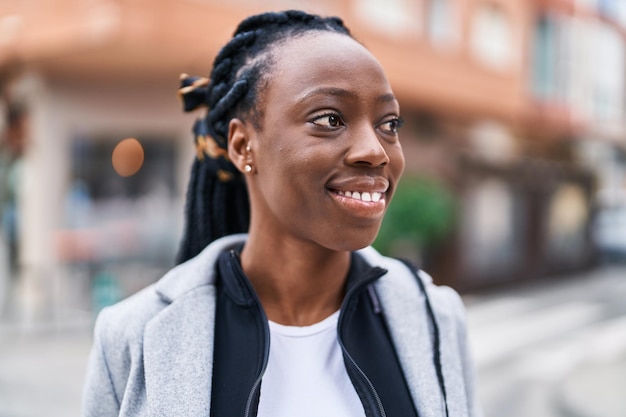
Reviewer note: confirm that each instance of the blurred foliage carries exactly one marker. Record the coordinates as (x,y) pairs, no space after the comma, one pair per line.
(422,212)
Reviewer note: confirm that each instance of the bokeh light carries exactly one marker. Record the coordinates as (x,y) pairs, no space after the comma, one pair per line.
(127,157)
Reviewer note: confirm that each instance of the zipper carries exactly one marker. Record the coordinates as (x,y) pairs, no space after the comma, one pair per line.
(367,392)
(367,388)
(254,391)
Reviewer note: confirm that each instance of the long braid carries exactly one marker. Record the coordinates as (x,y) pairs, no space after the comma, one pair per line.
(217,199)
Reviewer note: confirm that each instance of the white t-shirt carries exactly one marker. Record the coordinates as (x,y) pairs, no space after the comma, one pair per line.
(306,375)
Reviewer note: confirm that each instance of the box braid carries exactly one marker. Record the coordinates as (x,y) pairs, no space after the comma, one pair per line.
(217,199)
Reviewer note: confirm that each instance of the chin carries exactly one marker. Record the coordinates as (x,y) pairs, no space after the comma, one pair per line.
(353,242)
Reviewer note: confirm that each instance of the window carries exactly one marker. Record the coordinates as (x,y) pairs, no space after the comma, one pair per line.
(127,218)
(393,17)
(568,216)
(492,223)
(543,56)
(91,164)
(609,68)
(441,21)
(491,36)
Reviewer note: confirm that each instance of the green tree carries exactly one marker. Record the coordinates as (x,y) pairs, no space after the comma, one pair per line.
(421,214)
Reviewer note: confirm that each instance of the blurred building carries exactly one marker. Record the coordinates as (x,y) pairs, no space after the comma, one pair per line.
(514,106)
(517,107)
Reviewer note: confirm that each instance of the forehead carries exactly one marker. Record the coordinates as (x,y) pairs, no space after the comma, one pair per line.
(325,59)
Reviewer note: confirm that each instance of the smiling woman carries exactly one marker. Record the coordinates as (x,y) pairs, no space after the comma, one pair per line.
(279,306)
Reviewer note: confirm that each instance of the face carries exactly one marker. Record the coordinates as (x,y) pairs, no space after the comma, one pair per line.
(327,157)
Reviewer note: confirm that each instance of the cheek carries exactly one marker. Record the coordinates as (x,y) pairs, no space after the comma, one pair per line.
(396,160)
(286,172)
(301,161)
(286,162)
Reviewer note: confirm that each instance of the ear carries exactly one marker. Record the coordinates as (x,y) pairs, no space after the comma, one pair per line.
(239,144)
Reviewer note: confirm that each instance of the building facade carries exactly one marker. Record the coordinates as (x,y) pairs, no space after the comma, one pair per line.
(514,108)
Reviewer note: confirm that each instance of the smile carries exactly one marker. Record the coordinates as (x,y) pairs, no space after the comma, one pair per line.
(362,196)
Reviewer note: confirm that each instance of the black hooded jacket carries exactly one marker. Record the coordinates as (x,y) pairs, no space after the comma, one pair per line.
(242,342)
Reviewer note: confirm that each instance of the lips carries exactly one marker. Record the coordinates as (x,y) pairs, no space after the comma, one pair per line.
(362,196)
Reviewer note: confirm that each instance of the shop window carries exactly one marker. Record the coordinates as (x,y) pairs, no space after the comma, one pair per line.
(121,211)
(491,228)
(92,164)
(568,216)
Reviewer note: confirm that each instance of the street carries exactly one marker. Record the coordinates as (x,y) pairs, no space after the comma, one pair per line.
(555,348)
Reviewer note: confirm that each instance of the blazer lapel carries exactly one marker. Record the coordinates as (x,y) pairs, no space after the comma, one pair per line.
(448,309)
(178,356)
(410,331)
(404,309)
(178,342)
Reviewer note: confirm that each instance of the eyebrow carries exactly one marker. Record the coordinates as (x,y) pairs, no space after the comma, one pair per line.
(326,91)
(340,92)
(386,98)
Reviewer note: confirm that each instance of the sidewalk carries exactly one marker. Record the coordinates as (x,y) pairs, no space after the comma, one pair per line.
(555,348)
(42,369)
(605,383)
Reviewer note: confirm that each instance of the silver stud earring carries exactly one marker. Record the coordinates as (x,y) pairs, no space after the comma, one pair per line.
(247,168)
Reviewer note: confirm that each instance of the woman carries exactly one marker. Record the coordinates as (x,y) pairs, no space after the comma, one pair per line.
(300,149)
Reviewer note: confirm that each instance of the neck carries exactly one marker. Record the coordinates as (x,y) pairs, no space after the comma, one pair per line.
(298,283)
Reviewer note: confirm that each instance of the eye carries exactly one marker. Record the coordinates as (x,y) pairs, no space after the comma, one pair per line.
(392,125)
(328,120)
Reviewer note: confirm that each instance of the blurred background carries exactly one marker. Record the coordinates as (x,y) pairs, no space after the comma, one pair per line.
(514,194)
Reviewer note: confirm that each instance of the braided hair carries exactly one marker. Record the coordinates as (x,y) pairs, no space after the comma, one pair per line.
(217,199)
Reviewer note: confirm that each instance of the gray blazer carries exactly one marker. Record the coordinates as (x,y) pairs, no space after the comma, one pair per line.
(153,352)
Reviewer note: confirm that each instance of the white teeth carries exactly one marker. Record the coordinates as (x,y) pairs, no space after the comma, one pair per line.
(363,196)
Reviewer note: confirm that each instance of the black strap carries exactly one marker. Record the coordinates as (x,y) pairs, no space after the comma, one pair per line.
(436,337)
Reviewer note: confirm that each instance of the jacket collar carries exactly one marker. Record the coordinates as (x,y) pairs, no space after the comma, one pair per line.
(178,341)
(197,271)
(178,335)
(240,290)
(361,273)
(200,270)
(403,304)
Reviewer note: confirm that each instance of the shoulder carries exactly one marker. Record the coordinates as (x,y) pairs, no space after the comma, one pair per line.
(117,349)
(401,285)
(118,338)
(126,320)
(405,306)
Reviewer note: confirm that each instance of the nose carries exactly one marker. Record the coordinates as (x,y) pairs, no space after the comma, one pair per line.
(366,149)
